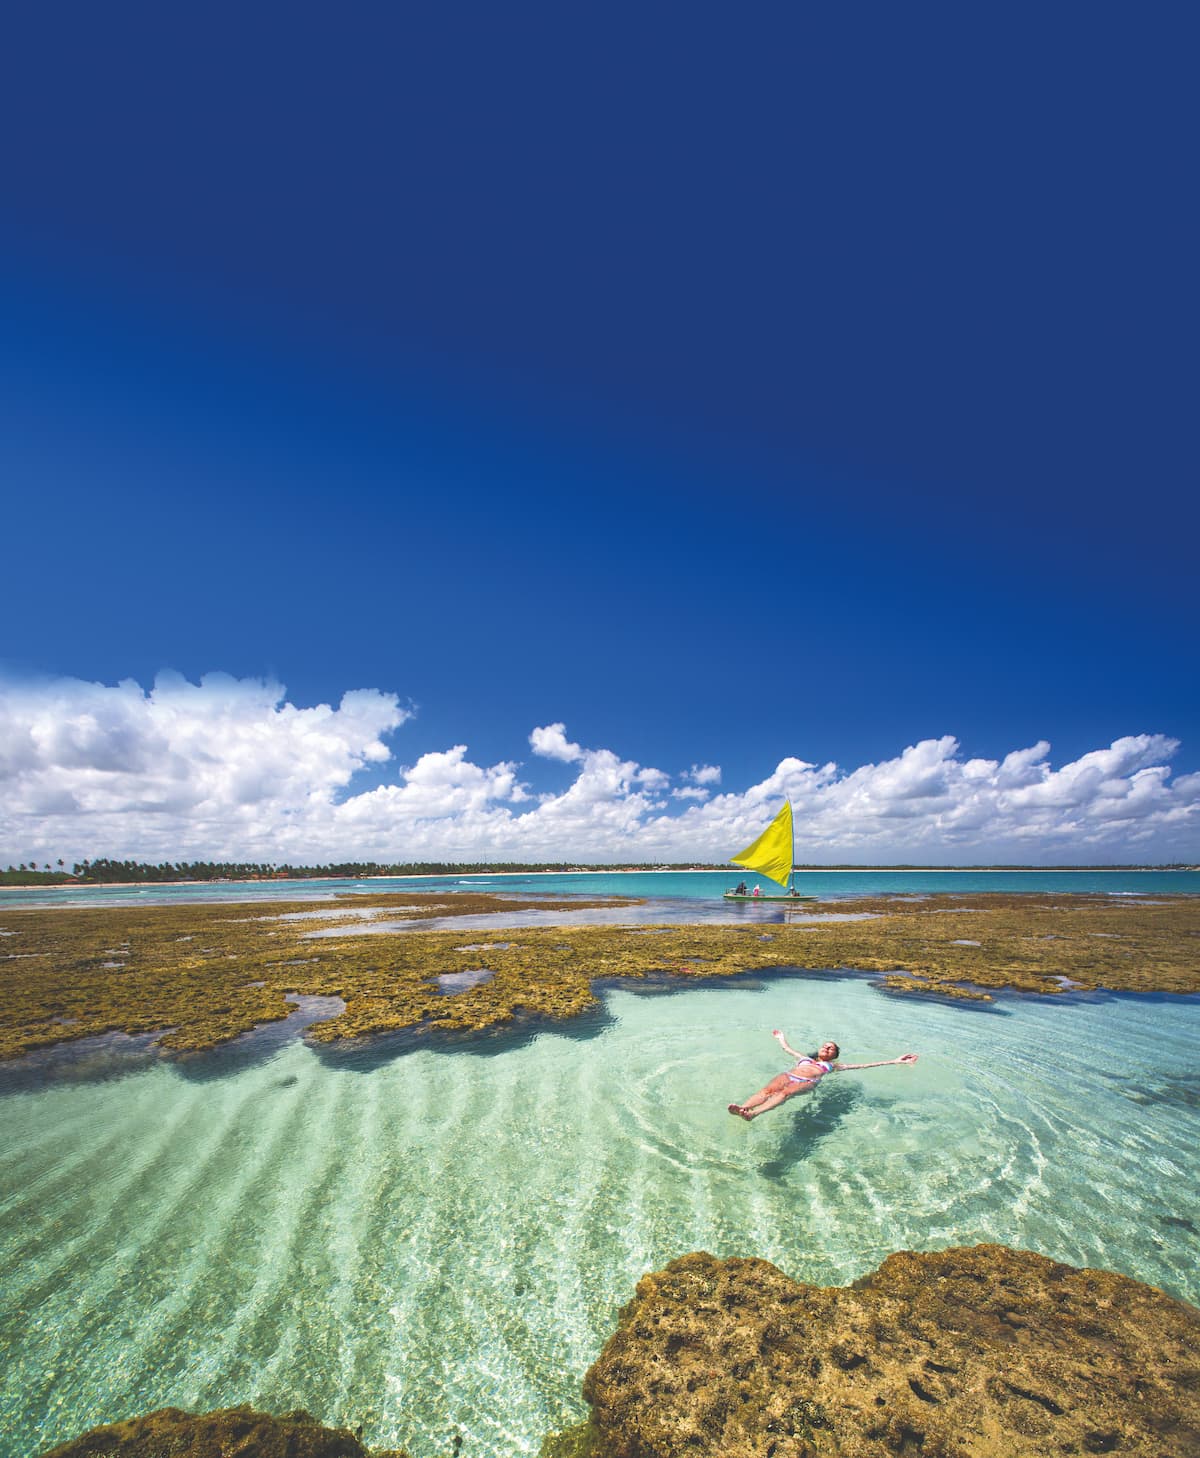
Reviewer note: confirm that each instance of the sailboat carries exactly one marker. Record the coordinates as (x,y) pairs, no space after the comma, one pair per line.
(771,855)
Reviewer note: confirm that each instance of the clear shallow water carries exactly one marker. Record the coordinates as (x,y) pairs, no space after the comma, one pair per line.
(439,1242)
(688,885)
(625,913)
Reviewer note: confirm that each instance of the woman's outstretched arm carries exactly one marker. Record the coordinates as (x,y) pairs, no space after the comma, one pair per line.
(904,1058)
(783,1043)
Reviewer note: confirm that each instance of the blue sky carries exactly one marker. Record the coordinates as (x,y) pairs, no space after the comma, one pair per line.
(731,391)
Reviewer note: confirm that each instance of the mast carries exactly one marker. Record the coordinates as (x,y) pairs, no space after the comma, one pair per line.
(792,873)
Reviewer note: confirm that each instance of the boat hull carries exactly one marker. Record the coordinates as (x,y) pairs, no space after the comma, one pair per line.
(733,896)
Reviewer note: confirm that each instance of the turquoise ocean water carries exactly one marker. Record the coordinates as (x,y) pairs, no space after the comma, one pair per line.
(437,1243)
(671,885)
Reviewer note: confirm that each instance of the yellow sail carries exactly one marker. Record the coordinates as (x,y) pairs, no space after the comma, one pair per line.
(771,854)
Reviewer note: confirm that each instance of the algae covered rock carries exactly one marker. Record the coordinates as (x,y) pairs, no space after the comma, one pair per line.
(231,1432)
(983,1352)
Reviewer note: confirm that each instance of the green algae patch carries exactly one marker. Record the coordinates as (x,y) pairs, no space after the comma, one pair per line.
(577,1442)
(922,985)
(224,1433)
(200,975)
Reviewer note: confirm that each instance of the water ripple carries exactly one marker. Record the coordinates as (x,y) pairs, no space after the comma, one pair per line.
(437,1244)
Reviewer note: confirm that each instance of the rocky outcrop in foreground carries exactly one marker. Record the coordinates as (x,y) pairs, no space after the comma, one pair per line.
(232,1432)
(969,1353)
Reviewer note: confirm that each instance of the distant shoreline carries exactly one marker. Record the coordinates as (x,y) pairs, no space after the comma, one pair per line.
(72,885)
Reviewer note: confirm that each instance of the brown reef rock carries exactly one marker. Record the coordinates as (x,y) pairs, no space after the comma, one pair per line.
(983,1352)
(230,1432)
(197,975)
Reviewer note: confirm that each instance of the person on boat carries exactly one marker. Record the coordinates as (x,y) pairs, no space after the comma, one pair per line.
(809,1070)
(756,891)
(741,889)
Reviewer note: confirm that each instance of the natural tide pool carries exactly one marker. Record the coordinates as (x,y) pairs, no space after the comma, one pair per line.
(437,1243)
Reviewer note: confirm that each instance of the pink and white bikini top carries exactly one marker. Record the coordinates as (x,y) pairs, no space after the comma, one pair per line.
(821,1064)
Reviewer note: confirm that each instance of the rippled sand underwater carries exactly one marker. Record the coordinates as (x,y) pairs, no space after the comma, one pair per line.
(437,1243)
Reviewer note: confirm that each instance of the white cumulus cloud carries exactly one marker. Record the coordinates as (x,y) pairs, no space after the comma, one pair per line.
(221,764)
(703,774)
(552,743)
(229,769)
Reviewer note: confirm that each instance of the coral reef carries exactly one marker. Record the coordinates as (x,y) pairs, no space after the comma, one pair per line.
(199,975)
(231,1432)
(983,1352)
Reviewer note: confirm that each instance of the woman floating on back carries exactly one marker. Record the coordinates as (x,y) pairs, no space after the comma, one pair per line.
(809,1070)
